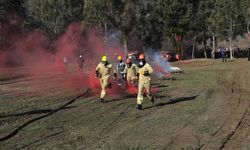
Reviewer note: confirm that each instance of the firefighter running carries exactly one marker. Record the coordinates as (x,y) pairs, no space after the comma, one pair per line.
(121,76)
(131,72)
(103,70)
(145,72)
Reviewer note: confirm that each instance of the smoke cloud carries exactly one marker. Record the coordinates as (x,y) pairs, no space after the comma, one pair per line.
(38,55)
(161,66)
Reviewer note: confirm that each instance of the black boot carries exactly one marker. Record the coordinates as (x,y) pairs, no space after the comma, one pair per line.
(109,85)
(139,107)
(102,100)
(152,99)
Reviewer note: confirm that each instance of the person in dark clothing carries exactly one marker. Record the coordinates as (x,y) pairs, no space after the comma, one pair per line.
(80,62)
(248,54)
(237,52)
(120,71)
(223,54)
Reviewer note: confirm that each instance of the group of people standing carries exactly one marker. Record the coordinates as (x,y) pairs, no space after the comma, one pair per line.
(126,73)
(224,54)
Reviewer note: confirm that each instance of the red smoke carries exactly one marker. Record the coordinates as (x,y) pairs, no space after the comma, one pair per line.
(2,59)
(39,55)
(70,41)
(131,89)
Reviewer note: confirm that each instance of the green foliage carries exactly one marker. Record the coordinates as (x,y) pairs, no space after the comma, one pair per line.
(94,11)
(146,20)
(10,6)
(3,8)
(149,23)
(54,15)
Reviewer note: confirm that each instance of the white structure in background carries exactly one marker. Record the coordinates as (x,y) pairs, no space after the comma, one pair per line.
(174,69)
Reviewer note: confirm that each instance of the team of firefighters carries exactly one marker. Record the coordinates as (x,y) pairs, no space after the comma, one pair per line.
(126,73)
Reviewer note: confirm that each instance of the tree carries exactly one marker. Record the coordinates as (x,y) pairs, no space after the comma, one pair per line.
(149,23)
(229,20)
(54,16)
(177,17)
(11,24)
(193,33)
(122,17)
(94,12)
(10,6)
(118,14)
(245,10)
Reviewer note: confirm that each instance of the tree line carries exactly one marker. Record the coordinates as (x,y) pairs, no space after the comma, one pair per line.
(142,23)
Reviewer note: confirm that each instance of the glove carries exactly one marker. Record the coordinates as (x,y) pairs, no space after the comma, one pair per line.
(96,74)
(115,75)
(124,76)
(146,73)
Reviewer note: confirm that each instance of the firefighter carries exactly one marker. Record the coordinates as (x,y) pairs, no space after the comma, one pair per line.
(65,61)
(145,71)
(131,72)
(121,76)
(103,70)
(80,62)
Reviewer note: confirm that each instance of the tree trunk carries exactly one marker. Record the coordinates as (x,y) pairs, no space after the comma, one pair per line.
(105,32)
(193,50)
(178,48)
(230,47)
(213,51)
(204,47)
(248,30)
(125,45)
(182,46)
(230,37)
(182,50)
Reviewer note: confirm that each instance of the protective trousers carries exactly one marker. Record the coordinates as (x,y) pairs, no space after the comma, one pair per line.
(104,84)
(143,86)
(121,79)
(131,79)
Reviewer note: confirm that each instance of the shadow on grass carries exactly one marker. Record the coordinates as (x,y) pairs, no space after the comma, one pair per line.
(155,84)
(162,86)
(129,97)
(33,112)
(173,101)
(161,96)
(17,129)
(7,78)
(124,98)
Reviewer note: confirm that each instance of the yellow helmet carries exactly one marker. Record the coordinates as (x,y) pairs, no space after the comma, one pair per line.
(119,57)
(104,58)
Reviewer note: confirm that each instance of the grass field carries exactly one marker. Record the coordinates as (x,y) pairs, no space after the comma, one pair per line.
(205,107)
